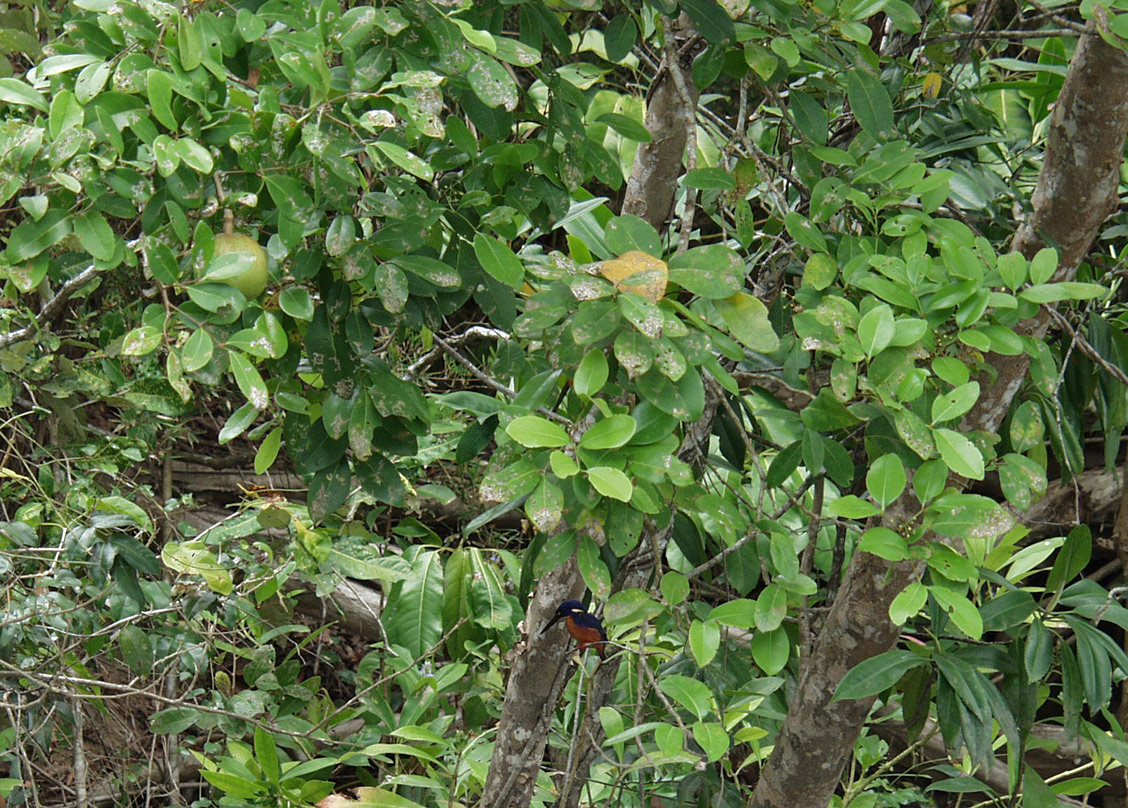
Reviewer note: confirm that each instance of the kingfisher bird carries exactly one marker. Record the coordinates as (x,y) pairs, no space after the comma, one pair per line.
(585,627)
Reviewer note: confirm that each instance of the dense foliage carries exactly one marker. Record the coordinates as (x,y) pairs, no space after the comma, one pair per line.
(460,326)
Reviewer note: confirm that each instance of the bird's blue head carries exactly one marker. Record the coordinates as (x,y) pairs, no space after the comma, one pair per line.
(569,607)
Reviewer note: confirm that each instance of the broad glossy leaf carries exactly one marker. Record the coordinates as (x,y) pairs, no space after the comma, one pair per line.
(886,479)
(747,320)
(609,433)
(499,261)
(535,432)
(771,650)
(249,381)
(592,374)
(960,454)
(908,603)
(713,271)
(691,694)
(611,483)
(870,103)
(884,543)
(876,674)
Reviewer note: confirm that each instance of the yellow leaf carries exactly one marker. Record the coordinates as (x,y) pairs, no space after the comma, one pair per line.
(930,87)
(637,272)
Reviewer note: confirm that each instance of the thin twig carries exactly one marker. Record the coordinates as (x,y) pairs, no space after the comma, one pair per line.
(51,308)
(1087,348)
(489,381)
(1018,34)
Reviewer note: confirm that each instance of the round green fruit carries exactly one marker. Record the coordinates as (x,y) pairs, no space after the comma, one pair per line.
(251,281)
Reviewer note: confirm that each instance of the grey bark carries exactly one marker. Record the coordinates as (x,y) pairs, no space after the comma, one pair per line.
(534,686)
(1076,191)
(658,164)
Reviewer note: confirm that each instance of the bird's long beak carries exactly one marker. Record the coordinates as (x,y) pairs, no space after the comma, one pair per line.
(551,623)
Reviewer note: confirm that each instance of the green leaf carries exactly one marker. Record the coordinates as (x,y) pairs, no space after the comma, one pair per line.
(562,465)
(1038,653)
(886,479)
(30,238)
(712,739)
(876,330)
(684,399)
(499,261)
(91,81)
(870,103)
(908,603)
(296,302)
(852,507)
(190,43)
(625,126)
(884,543)
(609,433)
(691,694)
(408,161)
(704,640)
(710,179)
(714,271)
(251,26)
(747,320)
(66,113)
(491,82)
(628,232)
(962,611)
(876,674)
(959,453)
(964,515)
(238,423)
(511,482)
(771,650)
(488,603)
(805,232)
(16,91)
(249,381)
(771,608)
(710,20)
(592,373)
(619,37)
(266,754)
(545,506)
(955,403)
(268,451)
(141,341)
(159,86)
(611,483)
(1064,290)
(1072,558)
(820,271)
(95,235)
(413,614)
(534,432)
(429,269)
(194,558)
(915,433)
(1043,265)
(594,571)
(329,490)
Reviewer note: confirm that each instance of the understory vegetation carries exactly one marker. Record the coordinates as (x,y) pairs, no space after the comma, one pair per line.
(340,343)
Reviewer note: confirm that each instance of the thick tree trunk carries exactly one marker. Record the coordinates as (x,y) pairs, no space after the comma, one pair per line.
(1075,192)
(658,164)
(534,685)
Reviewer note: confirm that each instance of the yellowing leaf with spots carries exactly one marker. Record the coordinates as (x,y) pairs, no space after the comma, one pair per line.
(930,86)
(637,272)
